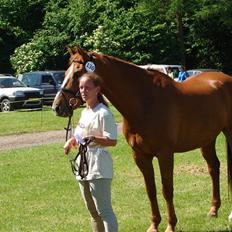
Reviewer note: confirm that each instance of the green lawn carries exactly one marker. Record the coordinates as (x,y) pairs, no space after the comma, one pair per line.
(39,193)
(18,122)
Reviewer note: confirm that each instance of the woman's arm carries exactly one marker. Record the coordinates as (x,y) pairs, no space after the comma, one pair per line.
(105,141)
(101,140)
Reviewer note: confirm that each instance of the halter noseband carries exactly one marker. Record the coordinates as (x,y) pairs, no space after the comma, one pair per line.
(75,94)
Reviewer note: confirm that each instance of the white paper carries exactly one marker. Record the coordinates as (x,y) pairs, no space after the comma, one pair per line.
(79,139)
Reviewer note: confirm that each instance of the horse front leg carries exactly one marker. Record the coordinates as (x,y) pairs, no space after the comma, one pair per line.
(146,167)
(166,164)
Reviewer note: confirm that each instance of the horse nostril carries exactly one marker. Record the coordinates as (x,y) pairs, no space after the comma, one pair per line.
(56,109)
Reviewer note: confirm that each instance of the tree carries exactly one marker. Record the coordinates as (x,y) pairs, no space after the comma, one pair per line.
(18,21)
(47,48)
(211,34)
(141,31)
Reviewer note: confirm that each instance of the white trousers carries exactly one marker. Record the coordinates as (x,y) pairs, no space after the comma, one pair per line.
(97,197)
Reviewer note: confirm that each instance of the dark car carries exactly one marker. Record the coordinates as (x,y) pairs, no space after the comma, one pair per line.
(49,81)
(16,95)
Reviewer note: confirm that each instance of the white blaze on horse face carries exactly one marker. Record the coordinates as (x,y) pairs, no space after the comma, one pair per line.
(69,75)
(55,100)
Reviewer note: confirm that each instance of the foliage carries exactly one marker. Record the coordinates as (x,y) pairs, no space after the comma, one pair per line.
(28,57)
(19,19)
(197,33)
(211,33)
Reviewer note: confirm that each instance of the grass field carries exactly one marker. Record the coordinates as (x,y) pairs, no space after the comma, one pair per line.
(39,193)
(19,122)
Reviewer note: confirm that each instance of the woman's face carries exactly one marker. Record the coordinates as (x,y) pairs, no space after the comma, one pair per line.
(88,90)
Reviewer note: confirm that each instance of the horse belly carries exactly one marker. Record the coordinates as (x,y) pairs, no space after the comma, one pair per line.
(194,142)
(201,131)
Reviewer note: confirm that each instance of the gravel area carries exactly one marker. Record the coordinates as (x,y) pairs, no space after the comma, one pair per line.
(34,139)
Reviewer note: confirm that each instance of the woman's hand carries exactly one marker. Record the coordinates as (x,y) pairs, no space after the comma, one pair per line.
(69,145)
(89,139)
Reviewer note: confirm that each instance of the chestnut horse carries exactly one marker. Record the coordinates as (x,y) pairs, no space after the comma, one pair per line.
(160,117)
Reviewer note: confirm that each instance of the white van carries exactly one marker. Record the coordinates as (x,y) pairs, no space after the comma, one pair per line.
(163,68)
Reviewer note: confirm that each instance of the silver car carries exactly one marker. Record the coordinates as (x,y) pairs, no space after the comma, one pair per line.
(194,72)
(16,95)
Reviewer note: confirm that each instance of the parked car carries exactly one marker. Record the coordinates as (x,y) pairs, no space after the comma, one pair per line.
(49,81)
(16,95)
(163,68)
(194,72)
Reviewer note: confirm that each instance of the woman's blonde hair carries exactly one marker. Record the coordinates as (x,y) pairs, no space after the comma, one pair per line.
(97,82)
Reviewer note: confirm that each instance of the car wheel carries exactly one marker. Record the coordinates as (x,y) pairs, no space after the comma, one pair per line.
(6,105)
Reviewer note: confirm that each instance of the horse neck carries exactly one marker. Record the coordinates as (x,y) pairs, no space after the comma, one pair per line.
(124,85)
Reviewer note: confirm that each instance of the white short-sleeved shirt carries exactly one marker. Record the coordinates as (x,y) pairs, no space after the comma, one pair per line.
(98,121)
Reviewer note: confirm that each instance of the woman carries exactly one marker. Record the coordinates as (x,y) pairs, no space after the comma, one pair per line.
(97,125)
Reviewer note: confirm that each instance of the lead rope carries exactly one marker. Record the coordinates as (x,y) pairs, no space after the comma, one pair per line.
(68,129)
(83,168)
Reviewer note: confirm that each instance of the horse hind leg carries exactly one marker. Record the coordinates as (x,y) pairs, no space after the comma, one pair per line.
(209,154)
(228,133)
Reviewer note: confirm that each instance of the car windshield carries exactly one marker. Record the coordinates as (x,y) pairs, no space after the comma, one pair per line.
(10,83)
(59,77)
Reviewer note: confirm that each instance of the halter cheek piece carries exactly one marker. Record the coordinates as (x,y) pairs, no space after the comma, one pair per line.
(83,168)
(76,95)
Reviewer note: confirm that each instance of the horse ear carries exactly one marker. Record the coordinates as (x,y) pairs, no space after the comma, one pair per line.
(70,51)
(81,51)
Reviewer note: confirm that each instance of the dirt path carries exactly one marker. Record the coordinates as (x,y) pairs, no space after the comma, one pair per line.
(34,139)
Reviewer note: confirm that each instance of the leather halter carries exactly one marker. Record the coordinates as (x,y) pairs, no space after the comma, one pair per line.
(76,95)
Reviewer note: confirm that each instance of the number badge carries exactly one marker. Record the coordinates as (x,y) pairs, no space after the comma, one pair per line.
(90,66)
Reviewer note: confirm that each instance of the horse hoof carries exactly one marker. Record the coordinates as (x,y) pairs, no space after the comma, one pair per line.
(212,213)
(169,229)
(152,228)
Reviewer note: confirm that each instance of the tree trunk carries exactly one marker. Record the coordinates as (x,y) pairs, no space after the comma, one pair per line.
(181,36)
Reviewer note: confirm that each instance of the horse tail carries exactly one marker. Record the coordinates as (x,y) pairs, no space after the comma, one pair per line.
(229,168)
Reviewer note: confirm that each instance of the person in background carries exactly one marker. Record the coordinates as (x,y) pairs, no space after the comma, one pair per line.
(183,75)
(97,125)
(170,72)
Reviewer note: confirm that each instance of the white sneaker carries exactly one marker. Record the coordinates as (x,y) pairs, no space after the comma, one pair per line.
(230,217)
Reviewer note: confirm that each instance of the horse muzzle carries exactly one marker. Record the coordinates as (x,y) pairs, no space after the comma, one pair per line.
(62,110)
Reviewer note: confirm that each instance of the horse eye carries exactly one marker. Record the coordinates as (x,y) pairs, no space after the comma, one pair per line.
(76,75)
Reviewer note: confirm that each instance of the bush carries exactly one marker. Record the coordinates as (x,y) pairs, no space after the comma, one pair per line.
(28,57)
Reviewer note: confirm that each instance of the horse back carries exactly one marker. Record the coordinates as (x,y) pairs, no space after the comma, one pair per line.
(204,109)
(207,81)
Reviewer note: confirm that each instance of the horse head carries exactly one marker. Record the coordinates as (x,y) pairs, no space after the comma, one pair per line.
(68,98)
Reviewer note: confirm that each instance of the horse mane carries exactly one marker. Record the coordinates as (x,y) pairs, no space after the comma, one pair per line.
(155,74)
(111,59)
